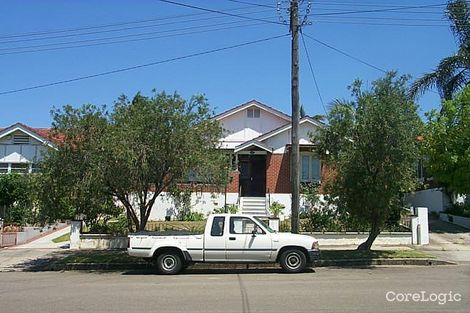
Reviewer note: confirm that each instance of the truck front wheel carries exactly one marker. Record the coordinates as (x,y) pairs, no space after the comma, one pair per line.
(293,261)
(169,263)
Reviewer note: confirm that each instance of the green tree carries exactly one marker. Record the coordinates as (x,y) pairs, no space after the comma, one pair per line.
(371,145)
(453,72)
(141,148)
(16,201)
(447,143)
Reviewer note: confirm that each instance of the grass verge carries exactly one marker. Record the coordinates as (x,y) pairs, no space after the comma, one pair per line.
(373,254)
(98,256)
(63,238)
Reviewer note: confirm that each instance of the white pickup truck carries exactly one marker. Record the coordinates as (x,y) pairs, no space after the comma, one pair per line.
(228,238)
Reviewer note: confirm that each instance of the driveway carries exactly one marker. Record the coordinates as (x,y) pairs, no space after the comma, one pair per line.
(448,241)
(32,254)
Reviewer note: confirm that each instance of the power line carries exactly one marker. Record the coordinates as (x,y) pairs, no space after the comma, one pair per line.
(254,4)
(346,54)
(379,24)
(141,65)
(123,36)
(117,30)
(219,12)
(63,30)
(313,73)
(401,8)
(132,40)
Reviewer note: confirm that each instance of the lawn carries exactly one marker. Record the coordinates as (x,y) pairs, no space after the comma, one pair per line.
(63,238)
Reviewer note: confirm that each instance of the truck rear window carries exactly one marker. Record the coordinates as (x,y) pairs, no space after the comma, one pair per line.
(218,226)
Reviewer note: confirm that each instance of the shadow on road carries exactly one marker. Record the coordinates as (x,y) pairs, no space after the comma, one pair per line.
(215,271)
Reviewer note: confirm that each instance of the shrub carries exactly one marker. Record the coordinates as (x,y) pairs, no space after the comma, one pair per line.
(193,216)
(276,208)
(231,208)
(459,209)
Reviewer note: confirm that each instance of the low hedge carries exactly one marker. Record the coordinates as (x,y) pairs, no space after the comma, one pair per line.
(189,226)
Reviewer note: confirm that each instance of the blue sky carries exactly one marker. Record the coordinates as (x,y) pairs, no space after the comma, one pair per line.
(413,42)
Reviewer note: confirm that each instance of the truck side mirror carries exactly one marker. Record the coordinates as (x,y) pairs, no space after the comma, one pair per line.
(253,233)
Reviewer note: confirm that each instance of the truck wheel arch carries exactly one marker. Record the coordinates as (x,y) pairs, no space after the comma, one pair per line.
(279,253)
(183,254)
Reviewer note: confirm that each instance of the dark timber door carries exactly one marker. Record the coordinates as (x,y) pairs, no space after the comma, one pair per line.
(252,175)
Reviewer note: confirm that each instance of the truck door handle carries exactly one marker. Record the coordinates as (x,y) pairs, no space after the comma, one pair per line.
(231,238)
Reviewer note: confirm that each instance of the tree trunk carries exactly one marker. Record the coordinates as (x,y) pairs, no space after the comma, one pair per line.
(374,232)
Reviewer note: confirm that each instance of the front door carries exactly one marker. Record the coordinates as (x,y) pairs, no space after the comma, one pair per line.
(252,175)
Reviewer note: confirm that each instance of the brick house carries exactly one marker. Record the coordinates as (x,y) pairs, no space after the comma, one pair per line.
(258,138)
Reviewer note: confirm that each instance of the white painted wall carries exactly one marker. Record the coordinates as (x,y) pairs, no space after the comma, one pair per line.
(278,142)
(204,202)
(239,128)
(434,199)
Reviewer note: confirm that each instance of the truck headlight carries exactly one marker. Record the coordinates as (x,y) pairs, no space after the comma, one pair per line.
(315,245)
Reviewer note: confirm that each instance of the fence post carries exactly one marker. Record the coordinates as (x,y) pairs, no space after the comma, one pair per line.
(75,230)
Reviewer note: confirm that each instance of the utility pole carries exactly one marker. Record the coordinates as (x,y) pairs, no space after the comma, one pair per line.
(295,159)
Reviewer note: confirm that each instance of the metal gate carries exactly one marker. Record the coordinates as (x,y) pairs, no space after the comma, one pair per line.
(8,239)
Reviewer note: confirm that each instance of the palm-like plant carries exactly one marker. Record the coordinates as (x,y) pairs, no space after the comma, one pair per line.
(453,72)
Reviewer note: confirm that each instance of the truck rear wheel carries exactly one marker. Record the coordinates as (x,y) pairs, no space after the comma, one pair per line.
(293,261)
(169,263)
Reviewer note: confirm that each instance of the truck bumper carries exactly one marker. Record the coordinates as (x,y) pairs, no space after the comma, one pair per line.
(313,254)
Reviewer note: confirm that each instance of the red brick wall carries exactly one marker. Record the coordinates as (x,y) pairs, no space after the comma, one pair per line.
(278,173)
(233,185)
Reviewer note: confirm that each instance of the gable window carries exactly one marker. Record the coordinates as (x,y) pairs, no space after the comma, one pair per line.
(20,139)
(310,167)
(253,113)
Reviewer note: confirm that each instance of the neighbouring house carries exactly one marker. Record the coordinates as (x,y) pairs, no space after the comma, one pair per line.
(22,147)
(258,137)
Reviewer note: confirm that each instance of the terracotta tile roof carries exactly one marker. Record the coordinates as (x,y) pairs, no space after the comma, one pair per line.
(45,133)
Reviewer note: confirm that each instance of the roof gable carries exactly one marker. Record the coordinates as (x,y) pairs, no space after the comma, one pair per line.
(251,103)
(42,135)
(284,128)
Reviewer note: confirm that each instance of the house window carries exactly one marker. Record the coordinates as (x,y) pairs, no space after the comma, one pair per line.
(20,139)
(253,113)
(3,168)
(310,167)
(22,168)
(35,168)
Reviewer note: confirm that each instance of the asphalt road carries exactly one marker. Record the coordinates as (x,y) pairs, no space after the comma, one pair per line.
(325,290)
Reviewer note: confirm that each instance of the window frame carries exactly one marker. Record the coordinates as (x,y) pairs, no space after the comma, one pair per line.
(311,157)
(217,218)
(257,226)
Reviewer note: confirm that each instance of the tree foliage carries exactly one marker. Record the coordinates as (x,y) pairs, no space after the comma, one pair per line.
(453,72)
(131,154)
(16,201)
(371,145)
(447,143)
